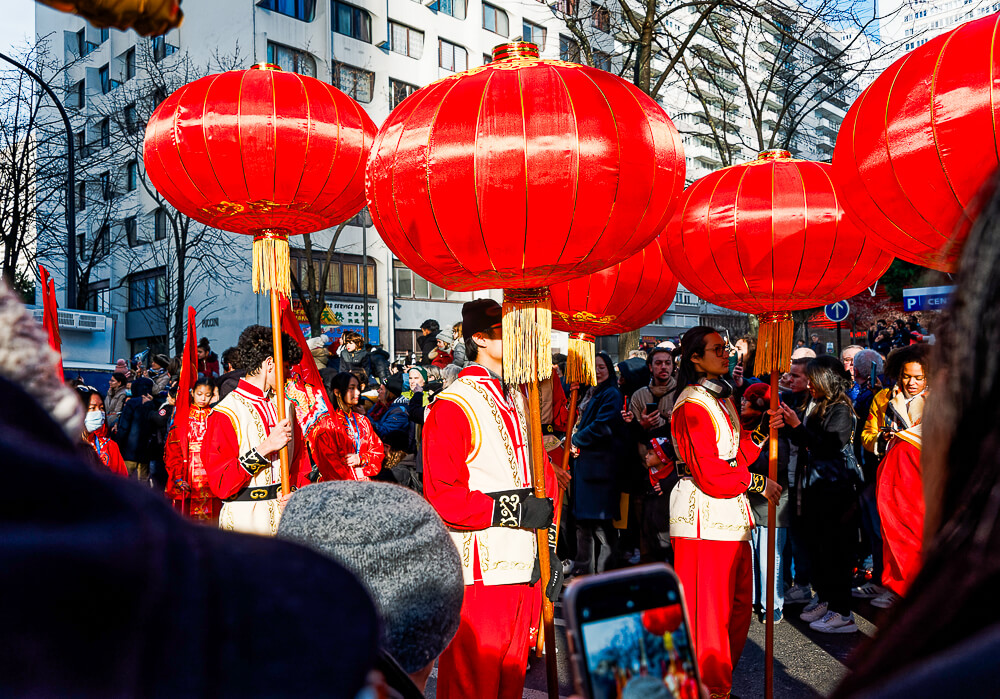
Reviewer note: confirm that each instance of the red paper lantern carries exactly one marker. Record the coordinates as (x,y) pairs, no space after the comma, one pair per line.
(770,236)
(260,152)
(522,173)
(618,299)
(920,143)
(663,620)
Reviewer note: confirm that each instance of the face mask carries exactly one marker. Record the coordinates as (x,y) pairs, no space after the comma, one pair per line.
(128,392)
(94,420)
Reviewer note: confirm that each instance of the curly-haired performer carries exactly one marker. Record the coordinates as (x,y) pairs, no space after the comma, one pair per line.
(240,449)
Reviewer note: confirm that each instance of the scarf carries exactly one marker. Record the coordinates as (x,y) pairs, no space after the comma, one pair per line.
(660,391)
(905,415)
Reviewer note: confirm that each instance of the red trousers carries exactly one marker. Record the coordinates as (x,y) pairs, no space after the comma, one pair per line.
(717,577)
(489,654)
(900,497)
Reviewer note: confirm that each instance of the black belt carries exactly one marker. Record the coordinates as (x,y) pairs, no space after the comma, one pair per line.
(256,494)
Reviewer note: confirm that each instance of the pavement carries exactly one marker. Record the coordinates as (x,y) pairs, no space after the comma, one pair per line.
(806,664)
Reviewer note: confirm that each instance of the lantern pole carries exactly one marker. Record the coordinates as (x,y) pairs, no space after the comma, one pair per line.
(527,359)
(279,382)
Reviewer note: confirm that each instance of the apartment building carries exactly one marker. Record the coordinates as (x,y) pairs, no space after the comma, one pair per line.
(911,23)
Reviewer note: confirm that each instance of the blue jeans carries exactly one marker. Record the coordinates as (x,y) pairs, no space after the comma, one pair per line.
(758,541)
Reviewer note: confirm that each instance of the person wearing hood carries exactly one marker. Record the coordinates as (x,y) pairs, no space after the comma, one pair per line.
(135,429)
(444,356)
(158,373)
(234,372)
(317,347)
(95,433)
(634,374)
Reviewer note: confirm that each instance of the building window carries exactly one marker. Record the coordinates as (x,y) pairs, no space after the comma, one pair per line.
(409,285)
(602,60)
(105,75)
(132,232)
(302,10)
(159,224)
(81,246)
(455,8)
(406,40)
(343,277)
(356,83)
(106,192)
(132,176)
(105,34)
(131,119)
(566,7)
(351,278)
(399,91)
(97,297)
(290,59)
(452,56)
(600,17)
(105,126)
(78,91)
(533,33)
(352,21)
(495,20)
(81,196)
(102,245)
(129,68)
(147,289)
(569,49)
(161,49)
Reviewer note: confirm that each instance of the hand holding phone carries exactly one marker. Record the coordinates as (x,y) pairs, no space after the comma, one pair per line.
(631,625)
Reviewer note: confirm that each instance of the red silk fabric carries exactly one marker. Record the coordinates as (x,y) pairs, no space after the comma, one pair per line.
(188,377)
(257,149)
(618,299)
(50,313)
(920,143)
(522,173)
(769,236)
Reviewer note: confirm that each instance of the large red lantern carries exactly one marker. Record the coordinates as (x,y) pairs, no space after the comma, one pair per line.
(261,152)
(918,145)
(522,173)
(615,300)
(264,153)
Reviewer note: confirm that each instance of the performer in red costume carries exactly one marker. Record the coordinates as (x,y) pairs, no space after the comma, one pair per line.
(347,448)
(899,485)
(477,475)
(240,451)
(95,432)
(710,517)
(187,479)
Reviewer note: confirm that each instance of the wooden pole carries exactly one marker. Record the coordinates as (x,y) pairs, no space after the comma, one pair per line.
(279,382)
(772,473)
(538,479)
(570,423)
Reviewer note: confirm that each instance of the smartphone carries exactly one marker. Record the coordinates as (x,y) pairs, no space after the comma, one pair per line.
(652,407)
(629,634)
(871,379)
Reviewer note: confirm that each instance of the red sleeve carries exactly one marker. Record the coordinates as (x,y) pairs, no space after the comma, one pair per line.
(173,459)
(372,449)
(695,442)
(115,460)
(447,442)
(329,452)
(221,458)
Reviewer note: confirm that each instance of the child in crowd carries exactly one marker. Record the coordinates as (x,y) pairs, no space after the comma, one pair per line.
(187,480)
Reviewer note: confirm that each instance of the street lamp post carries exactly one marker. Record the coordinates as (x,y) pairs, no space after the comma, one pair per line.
(70,180)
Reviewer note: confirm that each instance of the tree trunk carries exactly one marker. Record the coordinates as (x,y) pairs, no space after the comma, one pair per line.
(626,343)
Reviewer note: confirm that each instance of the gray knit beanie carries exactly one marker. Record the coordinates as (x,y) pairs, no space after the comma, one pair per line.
(398,547)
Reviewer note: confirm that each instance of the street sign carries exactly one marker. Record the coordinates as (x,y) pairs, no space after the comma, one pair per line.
(837,312)
(927,298)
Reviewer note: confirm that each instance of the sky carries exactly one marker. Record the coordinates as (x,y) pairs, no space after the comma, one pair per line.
(18,24)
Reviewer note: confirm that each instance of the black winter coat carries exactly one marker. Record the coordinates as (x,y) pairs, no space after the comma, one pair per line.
(821,445)
(601,438)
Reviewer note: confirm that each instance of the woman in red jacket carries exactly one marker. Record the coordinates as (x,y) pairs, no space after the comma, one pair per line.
(95,432)
(711,520)
(347,449)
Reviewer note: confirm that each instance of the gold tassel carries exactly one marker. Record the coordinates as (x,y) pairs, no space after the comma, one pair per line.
(774,342)
(271,269)
(580,362)
(527,335)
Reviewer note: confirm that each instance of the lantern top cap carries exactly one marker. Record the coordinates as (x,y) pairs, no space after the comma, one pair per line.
(265,66)
(515,50)
(775,154)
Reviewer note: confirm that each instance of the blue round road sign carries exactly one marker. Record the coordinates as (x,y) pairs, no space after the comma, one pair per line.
(837,312)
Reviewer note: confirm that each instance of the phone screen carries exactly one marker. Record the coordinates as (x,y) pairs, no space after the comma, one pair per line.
(642,649)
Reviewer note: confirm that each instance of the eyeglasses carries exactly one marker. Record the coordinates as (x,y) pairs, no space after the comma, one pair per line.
(719,350)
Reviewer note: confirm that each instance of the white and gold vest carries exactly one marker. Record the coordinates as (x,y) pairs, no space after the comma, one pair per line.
(253,417)
(498,461)
(693,513)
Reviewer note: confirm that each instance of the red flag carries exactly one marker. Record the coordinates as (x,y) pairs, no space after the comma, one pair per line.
(50,313)
(189,374)
(307,367)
